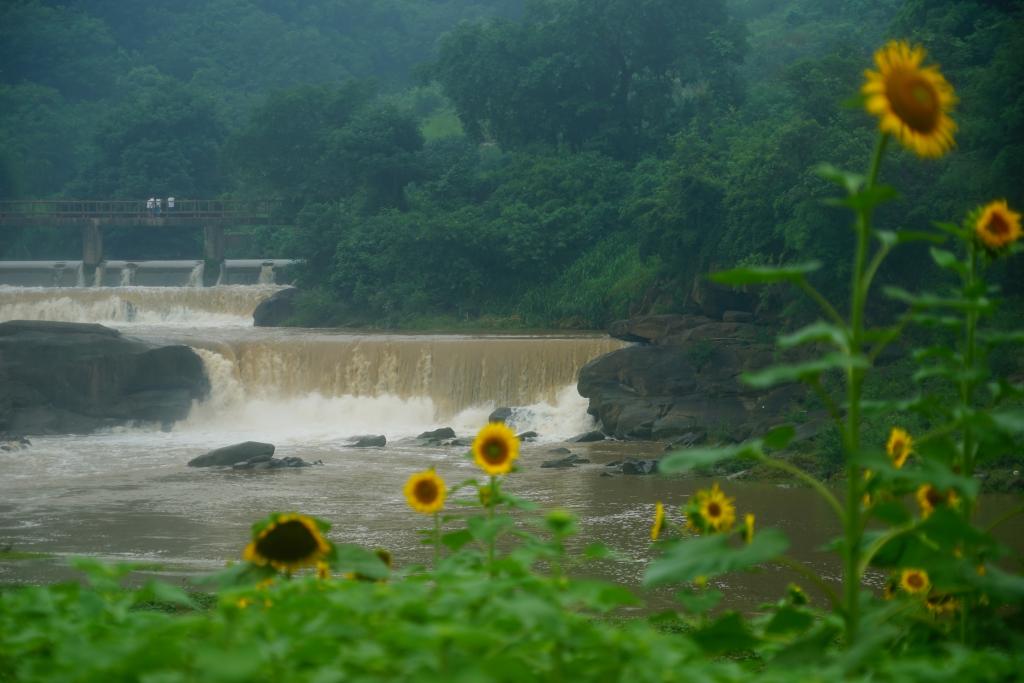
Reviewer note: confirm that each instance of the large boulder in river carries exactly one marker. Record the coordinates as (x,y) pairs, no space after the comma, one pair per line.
(368,441)
(62,378)
(682,379)
(247,451)
(275,310)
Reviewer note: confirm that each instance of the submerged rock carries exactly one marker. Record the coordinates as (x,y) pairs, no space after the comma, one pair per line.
(72,378)
(273,463)
(527,436)
(18,443)
(368,441)
(635,466)
(245,452)
(588,437)
(437,436)
(570,460)
(500,415)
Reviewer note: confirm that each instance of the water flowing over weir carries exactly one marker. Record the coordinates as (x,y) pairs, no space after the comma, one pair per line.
(294,383)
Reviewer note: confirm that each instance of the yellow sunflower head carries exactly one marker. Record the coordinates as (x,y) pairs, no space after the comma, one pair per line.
(659,520)
(929,498)
(711,510)
(996,225)
(911,101)
(287,542)
(495,448)
(899,446)
(940,604)
(915,581)
(424,491)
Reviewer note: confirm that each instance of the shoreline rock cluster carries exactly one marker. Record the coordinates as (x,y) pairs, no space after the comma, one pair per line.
(75,378)
(679,381)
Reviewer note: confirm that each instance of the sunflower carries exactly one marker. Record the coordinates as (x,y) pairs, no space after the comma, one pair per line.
(914,581)
(659,520)
(899,446)
(424,491)
(495,447)
(711,510)
(911,101)
(997,225)
(929,498)
(748,527)
(287,542)
(939,604)
(323,570)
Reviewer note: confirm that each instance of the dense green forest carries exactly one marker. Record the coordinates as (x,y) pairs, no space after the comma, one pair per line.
(499,162)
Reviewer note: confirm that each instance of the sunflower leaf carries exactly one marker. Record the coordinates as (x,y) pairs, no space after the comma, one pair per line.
(851,182)
(779,437)
(781,374)
(764,275)
(948,260)
(691,458)
(815,332)
(709,556)
(358,560)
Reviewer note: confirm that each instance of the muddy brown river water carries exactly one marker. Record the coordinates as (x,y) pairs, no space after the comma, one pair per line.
(127,495)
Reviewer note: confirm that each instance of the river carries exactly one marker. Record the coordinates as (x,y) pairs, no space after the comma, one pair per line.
(127,495)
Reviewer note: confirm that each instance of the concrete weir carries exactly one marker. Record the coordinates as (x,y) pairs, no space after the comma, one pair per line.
(122,273)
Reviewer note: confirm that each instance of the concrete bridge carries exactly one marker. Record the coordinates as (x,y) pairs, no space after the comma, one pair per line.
(91,216)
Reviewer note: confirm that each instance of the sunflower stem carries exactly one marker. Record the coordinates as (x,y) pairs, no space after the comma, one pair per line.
(790,563)
(803,476)
(969,355)
(492,500)
(437,539)
(853,529)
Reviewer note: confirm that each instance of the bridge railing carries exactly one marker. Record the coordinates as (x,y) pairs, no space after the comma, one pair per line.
(212,210)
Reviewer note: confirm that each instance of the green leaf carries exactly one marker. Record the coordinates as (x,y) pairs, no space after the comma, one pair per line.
(762,275)
(789,620)
(867,198)
(998,338)
(699,601)
(893,237)
(456,539)
(781,374)
(779,437)
(951,229)
(728,633)
(932,301)
(349,558)
(851,182)
(690,458)
(709,556)
(158,591)
(816,332)
(948,260)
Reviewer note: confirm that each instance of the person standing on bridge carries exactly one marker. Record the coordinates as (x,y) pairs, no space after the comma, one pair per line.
(159,205)
(151,205)
(170,203)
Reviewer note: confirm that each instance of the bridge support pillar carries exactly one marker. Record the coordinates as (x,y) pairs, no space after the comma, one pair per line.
(92,249)
(213,253)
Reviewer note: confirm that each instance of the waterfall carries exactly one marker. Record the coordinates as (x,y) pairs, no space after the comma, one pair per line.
(195,278)
(97,279)
(266,274)
(128,275)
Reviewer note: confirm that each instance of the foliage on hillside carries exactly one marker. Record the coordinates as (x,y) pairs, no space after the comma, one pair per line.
(554,162)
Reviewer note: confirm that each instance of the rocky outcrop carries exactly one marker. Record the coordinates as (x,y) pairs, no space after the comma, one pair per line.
(682,380)
(570,460)
(436,436)
(247,451)
(500,414)
(588,437)
(63,378)
(276,309)
(368,441)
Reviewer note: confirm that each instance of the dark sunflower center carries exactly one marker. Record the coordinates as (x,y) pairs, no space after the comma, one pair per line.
(495,451)
(425,491)
(915,581)
(714,510)
(897,447)
(934,497)
(914,101)
(998,226)
(288,542)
